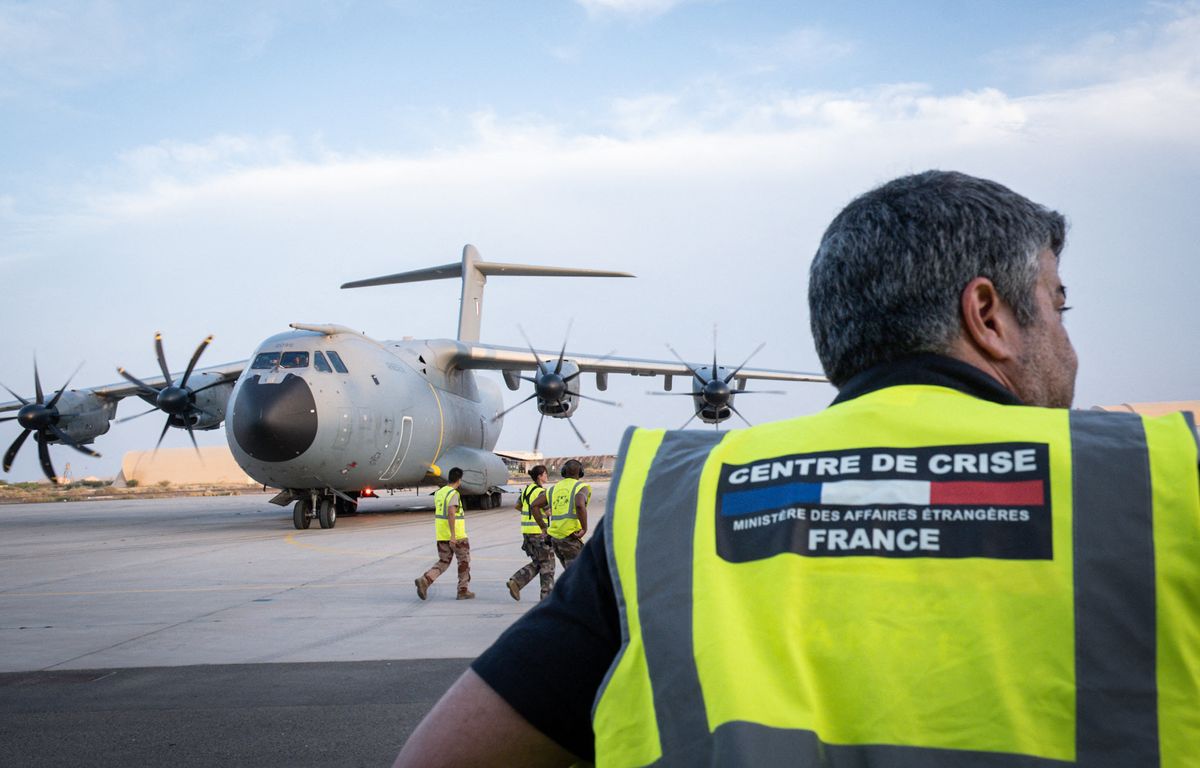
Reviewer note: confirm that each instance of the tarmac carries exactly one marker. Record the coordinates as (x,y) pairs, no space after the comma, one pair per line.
(209,631)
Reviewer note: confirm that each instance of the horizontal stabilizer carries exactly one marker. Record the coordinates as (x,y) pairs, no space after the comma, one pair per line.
(474,274)
(486,268)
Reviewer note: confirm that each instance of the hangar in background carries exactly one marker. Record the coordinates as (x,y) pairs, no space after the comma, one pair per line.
(182,466)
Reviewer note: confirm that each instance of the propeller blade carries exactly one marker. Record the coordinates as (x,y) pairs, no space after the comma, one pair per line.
(530,379)
(135,416)
(9,418)
(562,352)
(195,357)
(209,386)
(54,400)
(14,394)
(714,368)
(162,435)
(758,392)
(573,376)
(134,380)
(11,453)
(575,429)
(162,359)
(500,415)
(195,445)
(538,435)
(687,365)
(601,359)
(44,458)
(729,378)
(597,400)
(689,421)
(65,439)
(541,366)
(37,384)
(672,394)
(740,416)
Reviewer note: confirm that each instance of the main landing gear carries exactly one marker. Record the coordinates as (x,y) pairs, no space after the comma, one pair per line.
(484,501)
(324,507)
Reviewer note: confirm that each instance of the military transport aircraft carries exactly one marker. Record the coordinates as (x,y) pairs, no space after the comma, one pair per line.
(326,413)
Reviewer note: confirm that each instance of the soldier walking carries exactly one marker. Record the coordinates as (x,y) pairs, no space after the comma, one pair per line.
(535,540)
(451,538)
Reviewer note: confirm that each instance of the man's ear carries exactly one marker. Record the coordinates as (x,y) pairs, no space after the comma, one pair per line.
(988,322)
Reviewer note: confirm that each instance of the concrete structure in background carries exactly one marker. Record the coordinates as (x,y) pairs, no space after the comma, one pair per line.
(182,466)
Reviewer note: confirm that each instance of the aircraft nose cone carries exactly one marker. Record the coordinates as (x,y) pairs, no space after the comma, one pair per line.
(275,422)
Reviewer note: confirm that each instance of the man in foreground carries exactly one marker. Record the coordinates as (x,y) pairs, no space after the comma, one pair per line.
(452,541)
(944,568)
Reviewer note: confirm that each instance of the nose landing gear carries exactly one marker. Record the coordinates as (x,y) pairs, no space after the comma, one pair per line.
(323,506)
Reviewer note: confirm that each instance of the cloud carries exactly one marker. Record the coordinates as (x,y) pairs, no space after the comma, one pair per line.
(803,47)
(636,9)
(714,196)
(1167,40)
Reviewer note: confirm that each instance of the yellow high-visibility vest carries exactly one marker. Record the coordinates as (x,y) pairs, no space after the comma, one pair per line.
(914,577)
(564,519)
(447,497)
(532,493)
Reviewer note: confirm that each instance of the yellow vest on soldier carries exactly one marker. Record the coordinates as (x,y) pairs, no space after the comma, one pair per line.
(913,577)
(564,518)
(529,525)
(446,497)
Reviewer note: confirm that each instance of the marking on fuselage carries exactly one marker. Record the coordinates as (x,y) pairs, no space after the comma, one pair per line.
(441,422)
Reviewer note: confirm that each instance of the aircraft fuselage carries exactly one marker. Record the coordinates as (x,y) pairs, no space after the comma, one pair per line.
(338,410)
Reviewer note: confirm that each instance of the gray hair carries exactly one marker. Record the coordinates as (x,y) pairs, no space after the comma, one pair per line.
(887,278)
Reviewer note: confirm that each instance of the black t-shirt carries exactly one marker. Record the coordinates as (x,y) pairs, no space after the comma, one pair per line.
(578,624)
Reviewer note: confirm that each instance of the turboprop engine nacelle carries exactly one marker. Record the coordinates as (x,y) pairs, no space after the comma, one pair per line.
(713,396)
(558,391)
(84,416)
(211,402)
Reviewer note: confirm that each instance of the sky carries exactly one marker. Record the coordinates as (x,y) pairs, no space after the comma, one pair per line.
(222,167)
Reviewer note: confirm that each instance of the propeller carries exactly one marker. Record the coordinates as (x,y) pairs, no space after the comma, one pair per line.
(41,418)
(715,391)
(550,387)
(175,399)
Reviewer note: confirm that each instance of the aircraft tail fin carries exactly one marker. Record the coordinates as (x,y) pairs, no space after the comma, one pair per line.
(474,272)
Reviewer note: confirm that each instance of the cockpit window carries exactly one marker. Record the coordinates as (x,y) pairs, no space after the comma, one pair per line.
(336,359)
(265,361)
(294,360)
(320,363)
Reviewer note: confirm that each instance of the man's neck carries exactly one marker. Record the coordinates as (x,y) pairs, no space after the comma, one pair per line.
(931,369)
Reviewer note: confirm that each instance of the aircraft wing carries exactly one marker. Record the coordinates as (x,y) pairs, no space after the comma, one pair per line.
(123,389)
(498,358)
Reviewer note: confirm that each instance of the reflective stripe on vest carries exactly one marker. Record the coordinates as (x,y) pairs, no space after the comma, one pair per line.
(1133,692)
(564,518)
(441,502)
(531,493)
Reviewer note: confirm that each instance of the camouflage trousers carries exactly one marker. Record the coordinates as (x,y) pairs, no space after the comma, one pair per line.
(460,549)
(542,563)
(567,549)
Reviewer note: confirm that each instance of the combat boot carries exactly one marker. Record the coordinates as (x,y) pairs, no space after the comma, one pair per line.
(422,587)
(466,594)
(514,590)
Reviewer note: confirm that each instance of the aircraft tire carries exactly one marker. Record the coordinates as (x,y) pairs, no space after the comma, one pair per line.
(301,514)
(326,513)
